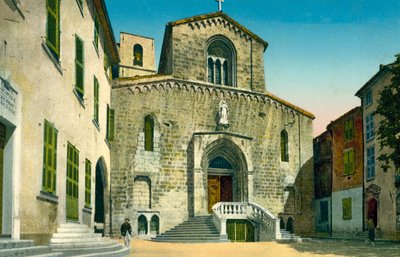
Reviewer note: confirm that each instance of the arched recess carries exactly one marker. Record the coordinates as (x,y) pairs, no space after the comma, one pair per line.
(100,194)
(289,225)
(142,192)
(220,55)
(142,225)
(223,159)
(155,225)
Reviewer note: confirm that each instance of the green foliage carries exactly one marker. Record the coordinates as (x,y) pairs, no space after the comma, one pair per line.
(389,127)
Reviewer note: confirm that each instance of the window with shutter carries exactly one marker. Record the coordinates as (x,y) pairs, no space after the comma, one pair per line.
(53,27)
(110,124)
(96,100)
(49,158)
(88,182)
(79,66)
(96,33)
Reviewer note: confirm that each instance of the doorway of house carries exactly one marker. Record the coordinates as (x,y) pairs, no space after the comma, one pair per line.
(99,198)
(373,210)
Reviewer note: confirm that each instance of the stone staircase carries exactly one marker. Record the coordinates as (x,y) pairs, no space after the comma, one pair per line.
(195,230)
(289,237)
(19,248)
(79,240)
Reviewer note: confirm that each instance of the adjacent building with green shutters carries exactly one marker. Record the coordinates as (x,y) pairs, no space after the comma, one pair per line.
(56,116)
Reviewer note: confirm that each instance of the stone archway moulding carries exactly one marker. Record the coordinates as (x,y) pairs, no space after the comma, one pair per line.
(206,146)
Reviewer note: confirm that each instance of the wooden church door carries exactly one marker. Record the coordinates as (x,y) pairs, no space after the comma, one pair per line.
(219,190)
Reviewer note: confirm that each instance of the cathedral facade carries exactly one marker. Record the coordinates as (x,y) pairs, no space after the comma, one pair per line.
(204,133)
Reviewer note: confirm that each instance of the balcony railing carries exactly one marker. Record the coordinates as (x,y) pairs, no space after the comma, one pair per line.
(267,222)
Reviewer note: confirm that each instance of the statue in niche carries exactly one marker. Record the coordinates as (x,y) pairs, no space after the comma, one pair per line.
(223,113)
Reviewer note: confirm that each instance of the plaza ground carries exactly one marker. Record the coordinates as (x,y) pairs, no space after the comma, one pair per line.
(325,248)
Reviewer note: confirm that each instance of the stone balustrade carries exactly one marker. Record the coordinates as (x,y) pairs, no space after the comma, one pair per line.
(268,223)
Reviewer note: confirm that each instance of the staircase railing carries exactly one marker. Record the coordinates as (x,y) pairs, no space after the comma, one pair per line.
(267,222)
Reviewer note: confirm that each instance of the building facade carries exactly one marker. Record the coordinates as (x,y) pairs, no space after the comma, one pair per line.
(55,116)
(347,172)
(323,182)
(382,194)
(204,133)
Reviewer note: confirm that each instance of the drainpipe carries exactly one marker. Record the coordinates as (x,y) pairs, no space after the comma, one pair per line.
(110,209)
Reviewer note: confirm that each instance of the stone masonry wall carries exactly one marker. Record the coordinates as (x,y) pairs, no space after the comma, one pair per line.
(179,110)
(189,42)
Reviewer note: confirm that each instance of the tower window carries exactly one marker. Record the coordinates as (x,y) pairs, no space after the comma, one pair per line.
(138,55)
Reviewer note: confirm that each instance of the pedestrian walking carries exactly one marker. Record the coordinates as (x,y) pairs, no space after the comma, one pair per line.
(126,232)
(371,232)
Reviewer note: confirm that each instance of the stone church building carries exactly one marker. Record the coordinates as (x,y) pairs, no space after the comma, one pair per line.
(203,136)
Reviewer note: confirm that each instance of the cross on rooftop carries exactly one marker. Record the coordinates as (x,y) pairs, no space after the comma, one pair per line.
(219,4)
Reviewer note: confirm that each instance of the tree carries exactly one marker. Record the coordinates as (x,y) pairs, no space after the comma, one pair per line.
(389,127)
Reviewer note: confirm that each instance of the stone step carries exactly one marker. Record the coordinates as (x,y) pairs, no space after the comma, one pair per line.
(47,255)
(76,235)
(74,230)
(9,243)
(119,253)
(214,231)
(189,240)
(93,251)
(24,251)
(88,239)
(82,244)
(72,225)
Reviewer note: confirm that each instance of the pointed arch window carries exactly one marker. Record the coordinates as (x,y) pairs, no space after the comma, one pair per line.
(138,55)
(284,146)
(148,133)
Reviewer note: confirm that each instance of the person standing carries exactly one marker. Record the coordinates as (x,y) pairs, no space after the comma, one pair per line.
(126,232)
(371,232)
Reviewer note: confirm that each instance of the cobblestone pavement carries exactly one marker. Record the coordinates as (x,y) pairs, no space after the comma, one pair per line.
(323,248)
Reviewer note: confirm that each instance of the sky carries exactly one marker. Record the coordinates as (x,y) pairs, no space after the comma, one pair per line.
(320,51)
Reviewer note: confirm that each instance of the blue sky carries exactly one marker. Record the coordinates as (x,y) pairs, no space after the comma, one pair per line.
(320,52)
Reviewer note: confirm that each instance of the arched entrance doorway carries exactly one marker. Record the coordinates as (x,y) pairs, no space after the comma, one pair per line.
(100,187)
(226,169)
(220,182)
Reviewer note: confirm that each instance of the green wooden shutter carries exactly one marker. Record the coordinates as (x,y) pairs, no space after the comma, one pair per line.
(111,135)
(110,124)
(79,66)
(346,163)
(88,182)
(96,100)
(53,26)
(49,158)
(96,32)
(72,205)
(351,162)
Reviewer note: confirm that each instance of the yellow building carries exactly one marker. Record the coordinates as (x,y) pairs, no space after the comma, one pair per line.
(55,119)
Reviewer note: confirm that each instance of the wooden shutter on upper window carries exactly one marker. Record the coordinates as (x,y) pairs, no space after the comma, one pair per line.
(96,100)
(79,66)
(96,32)
(53,26)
